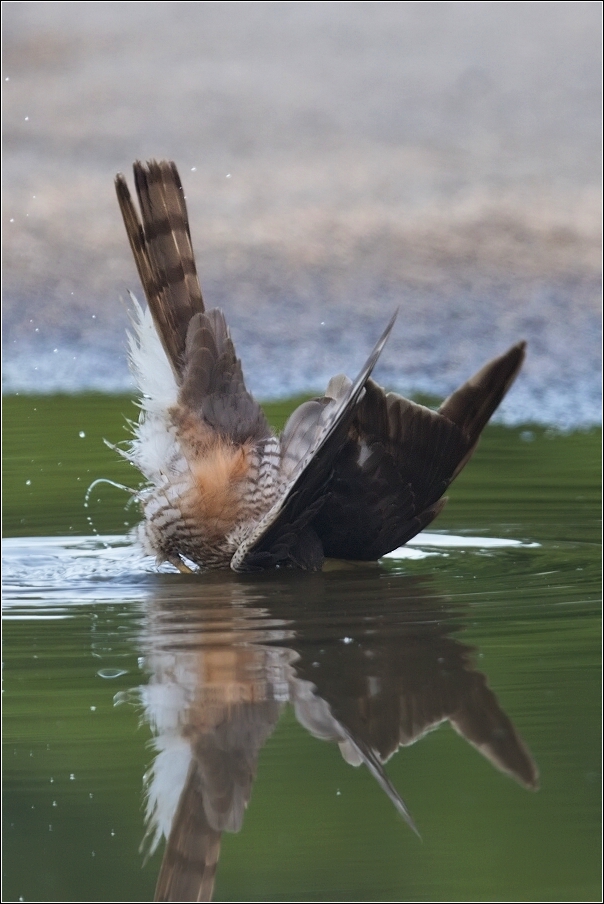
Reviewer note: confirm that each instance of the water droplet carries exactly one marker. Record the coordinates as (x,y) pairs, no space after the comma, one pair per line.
(111,673)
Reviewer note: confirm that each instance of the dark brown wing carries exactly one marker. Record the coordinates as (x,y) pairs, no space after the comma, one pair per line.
(311,442)
(471,406)
(399,459)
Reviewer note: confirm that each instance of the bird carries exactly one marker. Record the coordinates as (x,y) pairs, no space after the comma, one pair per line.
(354,474)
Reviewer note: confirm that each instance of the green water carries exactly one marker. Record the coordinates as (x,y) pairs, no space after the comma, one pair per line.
(78,621)
(54,448)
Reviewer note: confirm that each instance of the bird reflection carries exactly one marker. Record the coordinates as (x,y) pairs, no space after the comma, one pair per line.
(369,662)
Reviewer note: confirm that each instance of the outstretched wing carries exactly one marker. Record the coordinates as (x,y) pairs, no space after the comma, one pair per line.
(400,457)
(311,442)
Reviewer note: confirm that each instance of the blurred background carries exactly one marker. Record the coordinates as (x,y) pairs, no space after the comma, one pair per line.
(340,160)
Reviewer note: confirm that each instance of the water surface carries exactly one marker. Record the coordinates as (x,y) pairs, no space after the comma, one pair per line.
(488,624)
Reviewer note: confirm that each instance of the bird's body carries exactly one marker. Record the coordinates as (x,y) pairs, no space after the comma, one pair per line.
(354,474)
(205,491)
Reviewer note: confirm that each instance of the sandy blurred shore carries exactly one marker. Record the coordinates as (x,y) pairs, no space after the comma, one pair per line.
(340,160)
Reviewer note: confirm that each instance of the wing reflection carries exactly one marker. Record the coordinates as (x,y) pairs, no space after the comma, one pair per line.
(367,661)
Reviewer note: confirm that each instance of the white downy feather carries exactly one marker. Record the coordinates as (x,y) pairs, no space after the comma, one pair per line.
(154,447)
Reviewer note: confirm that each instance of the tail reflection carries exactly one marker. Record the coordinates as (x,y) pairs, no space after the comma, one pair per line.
(369,663)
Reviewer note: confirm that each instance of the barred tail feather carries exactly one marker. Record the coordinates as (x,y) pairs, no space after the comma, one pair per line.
(161,245)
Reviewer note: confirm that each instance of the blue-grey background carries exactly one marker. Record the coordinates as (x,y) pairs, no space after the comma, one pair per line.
(340,160)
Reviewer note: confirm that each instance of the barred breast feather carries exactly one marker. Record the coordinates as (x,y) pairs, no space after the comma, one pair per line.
(355,474)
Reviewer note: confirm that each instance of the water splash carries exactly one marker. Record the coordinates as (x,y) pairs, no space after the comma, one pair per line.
(119,486)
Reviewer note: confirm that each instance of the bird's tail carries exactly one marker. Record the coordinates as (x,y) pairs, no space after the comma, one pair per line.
(190,860)
(161,244)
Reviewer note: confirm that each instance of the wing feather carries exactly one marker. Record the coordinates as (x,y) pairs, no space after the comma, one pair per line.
(400,458)
(312,442)
(213,387)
